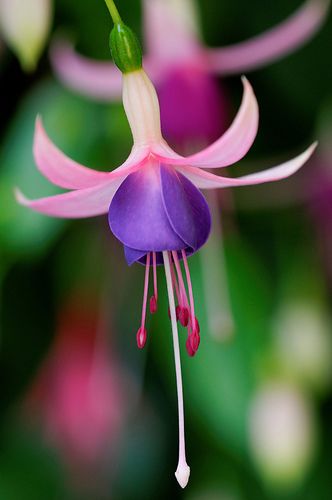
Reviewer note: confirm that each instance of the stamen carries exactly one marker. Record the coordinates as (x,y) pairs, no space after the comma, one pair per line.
(183,300)
(153,304)
(183,470)
(141,336)
(189,348)
(193,339)
(174,281)
(154,298)
(179,307)
(155,282)
(190,289)
(141,333)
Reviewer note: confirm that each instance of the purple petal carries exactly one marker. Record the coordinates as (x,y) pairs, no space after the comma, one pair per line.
(133,255)
(186,207)
(157,209)
(273,44)
(137,216)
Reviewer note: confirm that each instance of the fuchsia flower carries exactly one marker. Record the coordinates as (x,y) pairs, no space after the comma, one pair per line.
(78,393)
(153,200)
(183,70)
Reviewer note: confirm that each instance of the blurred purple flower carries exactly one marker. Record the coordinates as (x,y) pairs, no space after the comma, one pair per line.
(193,108)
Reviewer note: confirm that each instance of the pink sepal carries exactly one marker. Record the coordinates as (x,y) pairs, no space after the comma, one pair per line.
(206,180)
(271,45)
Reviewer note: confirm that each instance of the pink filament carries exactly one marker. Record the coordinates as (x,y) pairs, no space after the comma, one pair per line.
(174,282)
(155,283)
(154,298)
(182,289)
(142,329)
(191,295)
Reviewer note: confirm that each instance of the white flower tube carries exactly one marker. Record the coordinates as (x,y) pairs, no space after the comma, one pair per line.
(25,26)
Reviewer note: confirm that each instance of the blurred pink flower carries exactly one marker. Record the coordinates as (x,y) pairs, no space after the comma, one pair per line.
(78,394)
(193,110)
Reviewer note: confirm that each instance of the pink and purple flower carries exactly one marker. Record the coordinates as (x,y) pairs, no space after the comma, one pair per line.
(153,200)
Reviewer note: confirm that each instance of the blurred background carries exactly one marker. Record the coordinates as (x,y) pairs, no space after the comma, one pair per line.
(84,413)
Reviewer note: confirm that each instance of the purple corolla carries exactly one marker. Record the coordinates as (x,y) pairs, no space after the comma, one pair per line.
(153,200)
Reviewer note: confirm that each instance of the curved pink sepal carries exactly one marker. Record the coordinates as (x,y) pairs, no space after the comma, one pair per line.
(68,174)
(206,180)
(271,45)
(235,142)
(75,204)
(58,168)
(94,199)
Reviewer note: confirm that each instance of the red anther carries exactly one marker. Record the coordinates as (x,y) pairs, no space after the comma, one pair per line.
(141,336)
(153,304)
(195,340)
(184,316)
(197,327)
(177,312)
(189,348)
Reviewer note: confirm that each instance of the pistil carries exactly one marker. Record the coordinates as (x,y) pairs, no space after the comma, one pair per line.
(193,340)
(183,470)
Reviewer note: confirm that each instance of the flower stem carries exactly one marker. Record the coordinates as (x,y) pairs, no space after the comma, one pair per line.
(113,11)
(183,470)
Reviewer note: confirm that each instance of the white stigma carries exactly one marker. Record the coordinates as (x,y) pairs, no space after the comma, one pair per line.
(182,473)
(183,470)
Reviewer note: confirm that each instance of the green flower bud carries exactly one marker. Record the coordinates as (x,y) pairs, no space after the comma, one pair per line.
(125,48)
